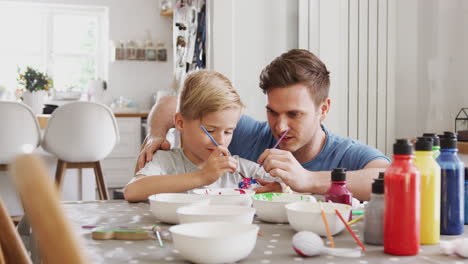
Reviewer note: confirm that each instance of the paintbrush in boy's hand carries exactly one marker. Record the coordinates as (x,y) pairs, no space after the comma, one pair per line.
(216,144)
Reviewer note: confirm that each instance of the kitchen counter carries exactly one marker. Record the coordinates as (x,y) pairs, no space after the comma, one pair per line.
(44,118)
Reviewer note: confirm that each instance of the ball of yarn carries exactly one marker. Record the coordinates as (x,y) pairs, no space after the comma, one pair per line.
(307,244)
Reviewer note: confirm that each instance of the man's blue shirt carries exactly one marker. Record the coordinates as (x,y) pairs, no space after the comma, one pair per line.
(252,137)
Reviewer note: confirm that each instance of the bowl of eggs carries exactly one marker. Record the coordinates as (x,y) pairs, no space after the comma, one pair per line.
(306,217)
(227,196)
(271,206)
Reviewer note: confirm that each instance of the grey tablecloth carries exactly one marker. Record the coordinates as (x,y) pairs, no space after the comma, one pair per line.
(273,246)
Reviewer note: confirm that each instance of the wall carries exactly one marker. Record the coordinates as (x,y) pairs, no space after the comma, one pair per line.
(130,20)
(431,64)
(246,36)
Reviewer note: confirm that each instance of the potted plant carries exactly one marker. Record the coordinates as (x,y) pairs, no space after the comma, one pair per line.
(35,84)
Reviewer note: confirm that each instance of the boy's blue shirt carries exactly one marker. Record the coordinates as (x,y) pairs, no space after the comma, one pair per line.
(252,137)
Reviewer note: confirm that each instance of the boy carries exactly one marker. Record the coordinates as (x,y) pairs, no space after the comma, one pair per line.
(209,100)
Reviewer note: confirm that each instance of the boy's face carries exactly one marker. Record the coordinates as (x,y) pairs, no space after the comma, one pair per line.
(197,145)
(292,107)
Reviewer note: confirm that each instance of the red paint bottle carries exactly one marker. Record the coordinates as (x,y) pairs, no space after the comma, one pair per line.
(338,191)
(402,202)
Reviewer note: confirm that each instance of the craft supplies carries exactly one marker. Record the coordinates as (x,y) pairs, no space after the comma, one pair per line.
(279,141)
(348,228)
(157,233)
(430,191)
(452,182)
(358,212)
(308,244)
(435,144)
(458,246)
(270,207)
(352,222)
(402,202)
(338,191)
(216,144)
(373,225)
(106,233)
(466,195)
(325,222)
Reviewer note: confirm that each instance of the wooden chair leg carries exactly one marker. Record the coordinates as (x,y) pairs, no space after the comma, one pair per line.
(61,168)
(100,181)
(10,242)
(2,259)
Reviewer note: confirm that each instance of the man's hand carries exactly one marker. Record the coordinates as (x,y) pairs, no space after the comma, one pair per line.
(151,145)
(268,186)
(217,164)
(282,164)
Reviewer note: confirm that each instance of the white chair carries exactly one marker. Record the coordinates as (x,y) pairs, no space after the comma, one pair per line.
(19,127)
(81,134)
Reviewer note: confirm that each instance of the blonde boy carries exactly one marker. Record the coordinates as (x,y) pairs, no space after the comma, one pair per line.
(207,99)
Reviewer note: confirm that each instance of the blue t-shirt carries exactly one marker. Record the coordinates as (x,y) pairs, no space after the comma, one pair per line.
(252,137)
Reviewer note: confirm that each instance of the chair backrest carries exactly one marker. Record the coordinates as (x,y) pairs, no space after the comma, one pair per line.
(81,132)
(11,247)
(56,241)
(19,126)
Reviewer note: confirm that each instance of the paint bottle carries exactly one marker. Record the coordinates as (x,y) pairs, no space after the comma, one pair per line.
(338,191)
(430,191)
(402,202)
(435,144)
(452,187)
(466,195)
(374,213)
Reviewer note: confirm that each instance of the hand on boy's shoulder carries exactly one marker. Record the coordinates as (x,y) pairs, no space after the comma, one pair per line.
(149,147)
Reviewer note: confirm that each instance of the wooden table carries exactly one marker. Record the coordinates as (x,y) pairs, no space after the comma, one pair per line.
(44,118)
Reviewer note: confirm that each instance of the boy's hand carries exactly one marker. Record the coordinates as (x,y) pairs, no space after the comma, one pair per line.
(268,186)
(217,164)
(151,145)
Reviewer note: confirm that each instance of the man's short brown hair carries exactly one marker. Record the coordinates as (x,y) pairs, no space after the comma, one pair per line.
(297,66)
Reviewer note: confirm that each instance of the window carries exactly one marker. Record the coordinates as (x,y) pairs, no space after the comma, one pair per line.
(66,42)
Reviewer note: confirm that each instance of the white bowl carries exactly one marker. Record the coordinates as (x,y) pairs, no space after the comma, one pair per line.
(227,196)
(270,206)
(210,213)
(165,205)
(214,242)
(306,217)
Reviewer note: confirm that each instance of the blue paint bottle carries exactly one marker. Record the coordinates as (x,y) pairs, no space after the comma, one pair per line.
(466,196)
(452,187)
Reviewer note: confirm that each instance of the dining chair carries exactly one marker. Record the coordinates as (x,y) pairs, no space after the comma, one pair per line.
(81,134)
(12,249)
(19,128)
(56,241)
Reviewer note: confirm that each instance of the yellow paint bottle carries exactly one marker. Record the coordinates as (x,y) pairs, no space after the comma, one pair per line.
(430,191)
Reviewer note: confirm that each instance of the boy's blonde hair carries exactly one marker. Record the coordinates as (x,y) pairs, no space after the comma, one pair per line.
(206,92)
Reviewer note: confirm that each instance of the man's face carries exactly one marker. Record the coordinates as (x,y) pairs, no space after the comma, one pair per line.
(292,107)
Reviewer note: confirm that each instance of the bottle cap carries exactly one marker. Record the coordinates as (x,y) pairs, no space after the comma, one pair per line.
(448,141)
(338,174)
(435,138)
(402,147)
(378,184)
(423,144)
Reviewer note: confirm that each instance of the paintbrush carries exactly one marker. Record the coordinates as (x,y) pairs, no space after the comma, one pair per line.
(216,144)
(279,140)
(157,232)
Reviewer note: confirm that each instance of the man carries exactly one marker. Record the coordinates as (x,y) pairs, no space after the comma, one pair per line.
(296,84)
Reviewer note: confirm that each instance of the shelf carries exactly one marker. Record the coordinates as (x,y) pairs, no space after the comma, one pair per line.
(167,13)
